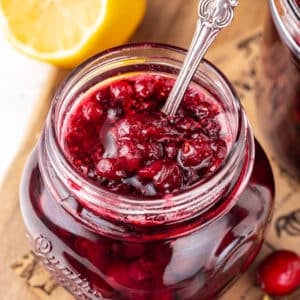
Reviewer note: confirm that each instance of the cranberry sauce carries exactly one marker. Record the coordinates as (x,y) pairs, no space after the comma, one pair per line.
(117,136)
(124,203)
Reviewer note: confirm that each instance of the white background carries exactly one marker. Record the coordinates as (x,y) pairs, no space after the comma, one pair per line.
(21,83)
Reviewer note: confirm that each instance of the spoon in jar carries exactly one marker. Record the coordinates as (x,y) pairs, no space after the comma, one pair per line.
(214,16)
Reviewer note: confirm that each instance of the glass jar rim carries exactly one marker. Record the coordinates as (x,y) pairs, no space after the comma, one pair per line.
(143,208)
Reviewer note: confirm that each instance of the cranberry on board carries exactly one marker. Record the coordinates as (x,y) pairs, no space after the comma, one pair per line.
(279,273)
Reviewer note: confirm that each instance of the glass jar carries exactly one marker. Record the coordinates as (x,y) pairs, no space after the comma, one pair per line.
(278,84)
(190,245)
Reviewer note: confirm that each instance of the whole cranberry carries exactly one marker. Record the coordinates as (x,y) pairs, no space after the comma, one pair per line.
(196,152)
(144,87)
(279,273)
(163,88)
(92,111)
(121,90)
(129,155)
(110,168)
(165,174)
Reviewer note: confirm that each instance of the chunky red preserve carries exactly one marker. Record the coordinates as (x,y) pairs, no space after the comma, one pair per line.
(107,149)
(118,137)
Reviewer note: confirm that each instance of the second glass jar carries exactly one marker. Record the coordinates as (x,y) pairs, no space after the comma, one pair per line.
(278,83)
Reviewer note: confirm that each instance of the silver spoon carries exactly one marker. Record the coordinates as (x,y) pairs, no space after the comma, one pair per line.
(214,16)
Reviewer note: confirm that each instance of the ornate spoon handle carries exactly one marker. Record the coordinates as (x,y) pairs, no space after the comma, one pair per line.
(214,15)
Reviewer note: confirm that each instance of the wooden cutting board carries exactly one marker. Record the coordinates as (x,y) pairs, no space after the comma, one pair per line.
(235,52)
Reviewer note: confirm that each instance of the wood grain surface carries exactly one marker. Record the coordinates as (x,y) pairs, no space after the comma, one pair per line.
(170,22)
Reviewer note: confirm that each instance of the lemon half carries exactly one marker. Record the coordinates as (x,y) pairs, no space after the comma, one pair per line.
(66,32)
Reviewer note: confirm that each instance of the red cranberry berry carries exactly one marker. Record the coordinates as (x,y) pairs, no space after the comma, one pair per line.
(144,87)
(102,95)
(92,111)
(130,127)
(121,90)
(151,150)
(210,127)
(163,88)
(195,103)
(171,150)
(148,172)
(166,175)
(97,154)
(279,273)
(129,155)
(187,124)
(196,152)
(132,106)
(110,168)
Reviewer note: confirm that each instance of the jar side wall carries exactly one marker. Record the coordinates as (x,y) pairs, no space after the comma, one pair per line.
(196,264)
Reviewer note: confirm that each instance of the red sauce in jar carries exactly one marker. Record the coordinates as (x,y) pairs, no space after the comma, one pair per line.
(117,137)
